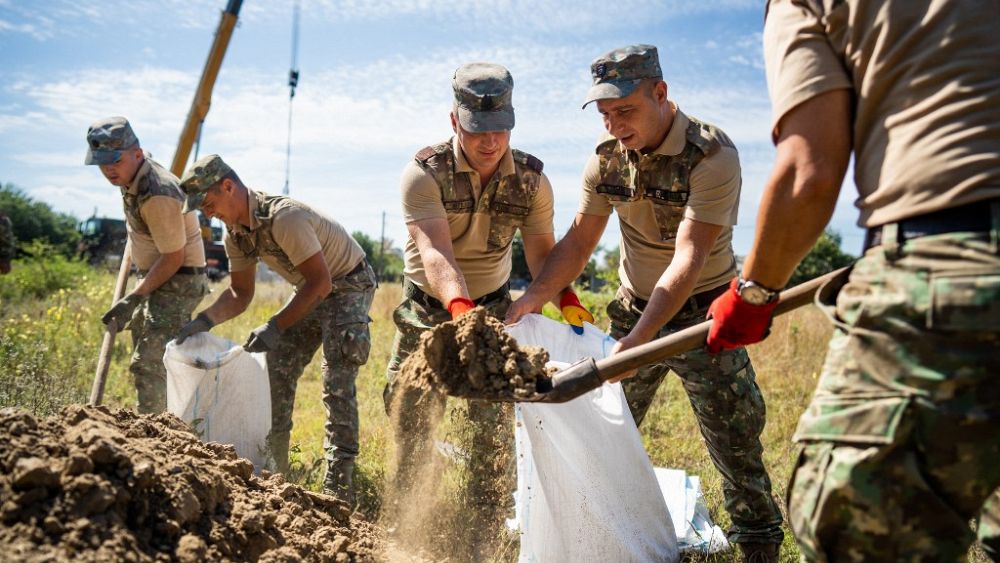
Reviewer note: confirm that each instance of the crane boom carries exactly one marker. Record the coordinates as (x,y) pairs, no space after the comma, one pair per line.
(203,95)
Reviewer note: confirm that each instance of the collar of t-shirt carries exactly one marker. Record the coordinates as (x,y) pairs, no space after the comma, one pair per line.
(252,208)
(133,187)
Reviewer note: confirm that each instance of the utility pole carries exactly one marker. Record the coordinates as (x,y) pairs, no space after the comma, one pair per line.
(293,82)
(381,247)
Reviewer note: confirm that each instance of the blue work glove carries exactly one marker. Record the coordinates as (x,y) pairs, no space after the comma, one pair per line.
(121,312)
(573,312)
(263,338)
(199,324)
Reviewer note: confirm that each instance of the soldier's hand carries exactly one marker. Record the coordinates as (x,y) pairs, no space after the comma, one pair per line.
(573,311)
(263,338)
(201,323)
(121,312)
(460,306)
(523,305)
(737,323)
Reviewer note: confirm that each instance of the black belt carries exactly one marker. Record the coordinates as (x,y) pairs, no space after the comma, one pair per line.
(694,304)
(976,217)
(411,291)
(186,270)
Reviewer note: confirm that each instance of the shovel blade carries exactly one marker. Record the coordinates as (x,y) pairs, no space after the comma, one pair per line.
(564,385)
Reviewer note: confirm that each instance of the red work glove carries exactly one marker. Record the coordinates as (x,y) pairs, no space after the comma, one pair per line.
(736,322)
(573,311)
(460,306)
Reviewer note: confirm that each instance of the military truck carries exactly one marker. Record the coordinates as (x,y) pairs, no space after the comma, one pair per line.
(102,241)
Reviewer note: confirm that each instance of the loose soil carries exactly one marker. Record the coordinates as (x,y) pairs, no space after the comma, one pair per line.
(449,499)
(94,484)
(473,356)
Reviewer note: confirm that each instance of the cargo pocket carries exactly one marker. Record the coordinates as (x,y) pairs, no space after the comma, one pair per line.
(966,302)
(355,342)
(854,420)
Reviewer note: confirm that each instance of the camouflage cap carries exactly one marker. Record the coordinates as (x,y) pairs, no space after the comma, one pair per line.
(107,138)
(202,175)
(483,97)
(617,73)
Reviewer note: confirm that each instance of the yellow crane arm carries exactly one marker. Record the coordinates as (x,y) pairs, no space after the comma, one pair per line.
(203,95)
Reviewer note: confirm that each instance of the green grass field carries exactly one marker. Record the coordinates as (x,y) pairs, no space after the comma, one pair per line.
(49,342)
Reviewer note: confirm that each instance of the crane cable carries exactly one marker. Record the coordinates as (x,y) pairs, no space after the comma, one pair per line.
(293,82)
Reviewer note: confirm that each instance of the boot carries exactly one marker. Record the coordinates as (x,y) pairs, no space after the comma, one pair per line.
(339,481)
(277,445)
(754,552)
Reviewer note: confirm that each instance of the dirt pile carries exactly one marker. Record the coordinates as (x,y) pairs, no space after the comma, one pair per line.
(473,356)
(99,485)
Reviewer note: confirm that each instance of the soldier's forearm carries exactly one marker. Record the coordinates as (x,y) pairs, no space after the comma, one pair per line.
(162,270)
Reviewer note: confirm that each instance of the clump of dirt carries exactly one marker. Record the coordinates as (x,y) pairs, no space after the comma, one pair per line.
(100,485)
(473,356)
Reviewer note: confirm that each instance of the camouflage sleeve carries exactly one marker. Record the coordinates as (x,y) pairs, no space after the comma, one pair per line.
(8,244)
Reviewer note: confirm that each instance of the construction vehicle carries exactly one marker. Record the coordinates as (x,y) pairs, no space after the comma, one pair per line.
(102,241)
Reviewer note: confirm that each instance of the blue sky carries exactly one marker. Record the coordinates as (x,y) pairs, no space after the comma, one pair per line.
(374,88)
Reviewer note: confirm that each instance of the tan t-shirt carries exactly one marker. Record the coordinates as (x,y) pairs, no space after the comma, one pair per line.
(484,270)
(169,228)
(714,198)
(926,85)
(299,232)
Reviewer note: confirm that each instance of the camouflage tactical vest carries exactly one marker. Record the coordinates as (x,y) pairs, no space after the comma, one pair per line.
(260,242)
(508,201)
(157,181)
(662,179)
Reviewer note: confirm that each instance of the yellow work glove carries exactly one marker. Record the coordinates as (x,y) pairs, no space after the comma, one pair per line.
(573,312)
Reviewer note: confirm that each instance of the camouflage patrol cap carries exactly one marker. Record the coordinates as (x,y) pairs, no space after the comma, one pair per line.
(202,175)
(483,97)
(617,73)
(107,138)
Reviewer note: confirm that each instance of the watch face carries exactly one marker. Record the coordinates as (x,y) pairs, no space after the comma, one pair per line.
(754,295)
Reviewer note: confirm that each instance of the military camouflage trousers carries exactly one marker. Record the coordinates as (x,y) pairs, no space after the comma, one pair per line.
(154,323)
(900,445)
(340,325)
(730,410)
(415,413)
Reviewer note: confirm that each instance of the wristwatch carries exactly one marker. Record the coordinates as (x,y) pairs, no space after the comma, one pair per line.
(754,293)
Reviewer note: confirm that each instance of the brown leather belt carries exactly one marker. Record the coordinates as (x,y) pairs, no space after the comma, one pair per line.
(976,217)
(694,304)
(411,291)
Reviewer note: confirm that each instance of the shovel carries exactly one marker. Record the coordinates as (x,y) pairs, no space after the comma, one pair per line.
(589,374)
(104,359)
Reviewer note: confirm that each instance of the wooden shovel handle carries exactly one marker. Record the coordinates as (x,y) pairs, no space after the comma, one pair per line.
(694,336)
(104,359)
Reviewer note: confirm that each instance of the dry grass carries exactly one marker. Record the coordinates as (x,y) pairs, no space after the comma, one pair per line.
(58,338)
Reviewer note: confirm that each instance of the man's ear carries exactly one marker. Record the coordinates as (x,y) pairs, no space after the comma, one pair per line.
(660,91)
(228,186)
(454,122)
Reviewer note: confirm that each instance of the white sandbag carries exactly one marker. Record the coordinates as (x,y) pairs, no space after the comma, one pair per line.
(692,522)
(586,490)
(223,391)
